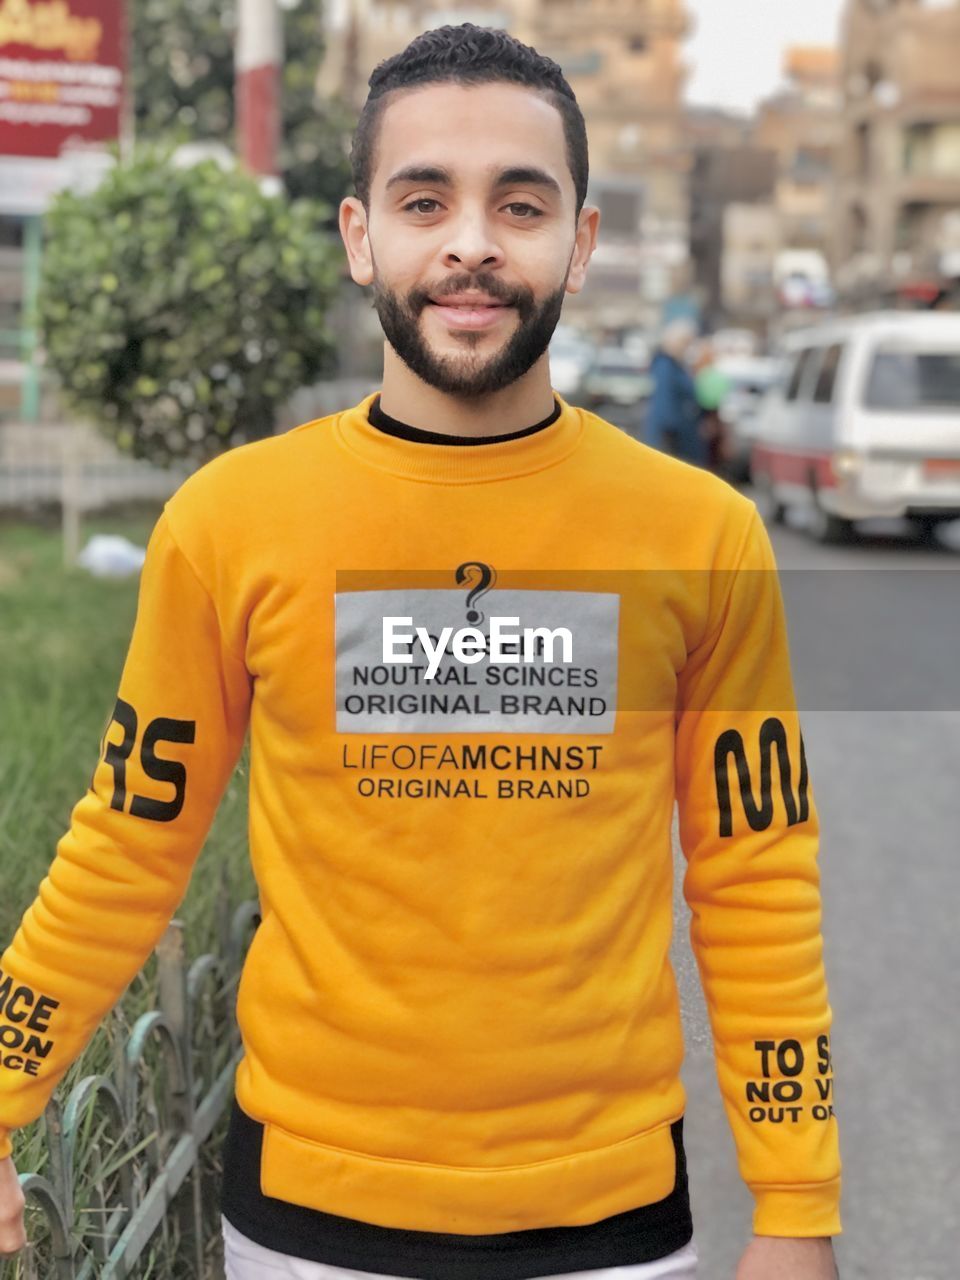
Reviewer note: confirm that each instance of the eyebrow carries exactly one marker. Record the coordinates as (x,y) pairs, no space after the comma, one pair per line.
(525,176)
(421,173)
(519,176)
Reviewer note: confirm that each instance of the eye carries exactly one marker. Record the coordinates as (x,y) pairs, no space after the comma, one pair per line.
(521,209)
(415,206)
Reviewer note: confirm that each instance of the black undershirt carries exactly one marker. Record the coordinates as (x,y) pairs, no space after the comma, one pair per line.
(639,1235)
(392,427)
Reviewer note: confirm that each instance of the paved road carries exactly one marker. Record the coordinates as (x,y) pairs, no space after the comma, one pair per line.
(882,728)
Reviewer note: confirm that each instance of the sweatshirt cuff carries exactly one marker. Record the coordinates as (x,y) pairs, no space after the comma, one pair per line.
(6,1146)
(812,1209)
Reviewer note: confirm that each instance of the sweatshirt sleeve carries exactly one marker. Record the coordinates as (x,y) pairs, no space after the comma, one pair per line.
(123,867)
(750,835)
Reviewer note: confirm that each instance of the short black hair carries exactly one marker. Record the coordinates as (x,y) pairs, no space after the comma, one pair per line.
(468,55)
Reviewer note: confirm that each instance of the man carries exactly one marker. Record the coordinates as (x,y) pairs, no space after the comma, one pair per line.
(461,1029)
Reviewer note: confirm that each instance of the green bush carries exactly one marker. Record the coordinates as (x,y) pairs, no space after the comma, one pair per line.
(180,306)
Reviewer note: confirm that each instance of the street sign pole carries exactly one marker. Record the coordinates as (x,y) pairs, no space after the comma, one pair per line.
(258,63)
(30,327)
(128,127)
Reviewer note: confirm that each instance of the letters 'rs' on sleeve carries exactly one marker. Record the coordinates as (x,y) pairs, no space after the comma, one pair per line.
(124,865)
(750,834)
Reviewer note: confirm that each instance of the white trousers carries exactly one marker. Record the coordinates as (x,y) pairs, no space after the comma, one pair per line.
(246,1260)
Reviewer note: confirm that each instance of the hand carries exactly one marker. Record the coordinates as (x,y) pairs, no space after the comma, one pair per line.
(13,1235)
(783,1258)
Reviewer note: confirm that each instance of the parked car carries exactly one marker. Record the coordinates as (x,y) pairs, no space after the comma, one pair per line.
(802,278)
(866,423)
(749,379)
(733,342)
(639,344)
(570,355)
(617,377)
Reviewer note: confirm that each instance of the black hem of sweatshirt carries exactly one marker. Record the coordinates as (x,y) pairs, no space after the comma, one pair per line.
(645,1234)
(393,427)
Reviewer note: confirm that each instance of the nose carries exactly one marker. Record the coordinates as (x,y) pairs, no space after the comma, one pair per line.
(471,244)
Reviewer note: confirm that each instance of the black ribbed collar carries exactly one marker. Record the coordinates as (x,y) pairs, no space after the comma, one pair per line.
(392,427)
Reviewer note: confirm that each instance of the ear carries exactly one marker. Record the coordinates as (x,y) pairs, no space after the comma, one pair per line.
(353,230)
(588,224)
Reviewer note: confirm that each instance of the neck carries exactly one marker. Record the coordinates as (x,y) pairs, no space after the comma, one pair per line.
(409,399)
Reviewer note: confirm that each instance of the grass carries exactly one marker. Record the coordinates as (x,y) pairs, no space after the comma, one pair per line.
(63,639)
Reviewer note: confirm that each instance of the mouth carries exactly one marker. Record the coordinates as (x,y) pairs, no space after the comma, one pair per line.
(464,311)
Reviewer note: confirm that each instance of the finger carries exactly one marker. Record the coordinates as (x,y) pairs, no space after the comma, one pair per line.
(13,1235)
(12,1243)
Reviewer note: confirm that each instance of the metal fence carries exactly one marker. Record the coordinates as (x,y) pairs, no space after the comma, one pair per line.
(72,465)
(123,1149)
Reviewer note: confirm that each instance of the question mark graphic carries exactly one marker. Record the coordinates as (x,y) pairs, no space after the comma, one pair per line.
(488,577)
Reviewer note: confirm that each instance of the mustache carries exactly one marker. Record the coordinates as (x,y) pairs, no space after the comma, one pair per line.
(482,282)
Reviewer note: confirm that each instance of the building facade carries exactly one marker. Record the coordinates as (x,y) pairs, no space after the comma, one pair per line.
(761,190)
(803,126)
(752,241)
(897,215)
(734,177)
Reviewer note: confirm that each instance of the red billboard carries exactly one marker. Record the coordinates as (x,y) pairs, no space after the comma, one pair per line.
(61,75)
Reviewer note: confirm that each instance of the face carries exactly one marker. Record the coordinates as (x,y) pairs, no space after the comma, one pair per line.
(471,238)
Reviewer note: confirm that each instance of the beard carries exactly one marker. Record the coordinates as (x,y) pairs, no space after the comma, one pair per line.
(470,374)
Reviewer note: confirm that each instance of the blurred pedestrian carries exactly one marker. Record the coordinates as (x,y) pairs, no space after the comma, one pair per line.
(711,387)
(673,417)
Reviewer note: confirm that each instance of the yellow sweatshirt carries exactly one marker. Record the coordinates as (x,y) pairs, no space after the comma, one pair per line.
(458,1013)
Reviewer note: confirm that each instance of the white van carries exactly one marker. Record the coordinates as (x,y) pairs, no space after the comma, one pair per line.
(866,422)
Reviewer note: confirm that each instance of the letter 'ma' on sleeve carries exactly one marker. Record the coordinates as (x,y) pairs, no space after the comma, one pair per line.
(774,756)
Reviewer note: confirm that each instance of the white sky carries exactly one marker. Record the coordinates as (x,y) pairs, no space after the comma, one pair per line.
(735,53)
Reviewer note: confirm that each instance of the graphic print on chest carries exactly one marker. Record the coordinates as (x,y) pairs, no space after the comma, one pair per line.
(470,656)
